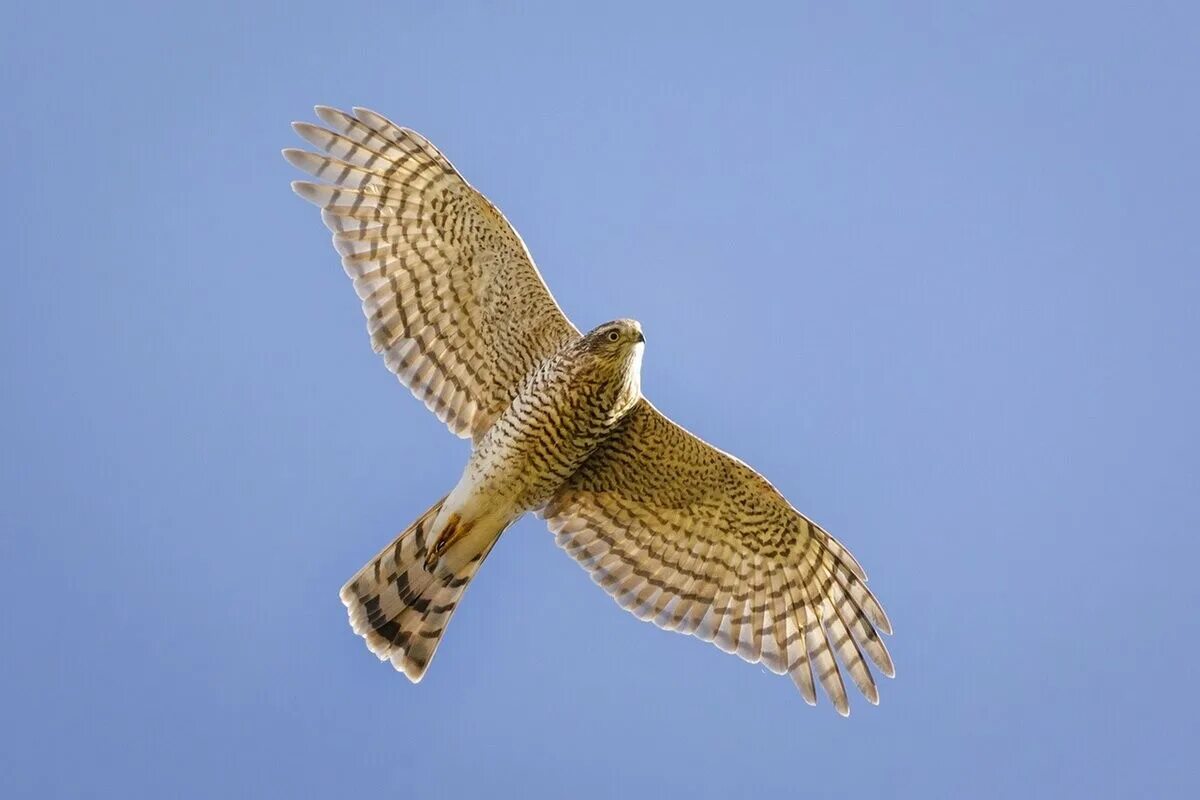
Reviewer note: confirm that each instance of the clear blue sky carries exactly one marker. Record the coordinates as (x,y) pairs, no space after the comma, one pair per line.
(934,271)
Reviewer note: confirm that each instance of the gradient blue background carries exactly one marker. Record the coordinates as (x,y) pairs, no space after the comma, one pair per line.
(934,270)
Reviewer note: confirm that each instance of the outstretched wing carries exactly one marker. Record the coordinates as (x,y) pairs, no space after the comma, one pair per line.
(453,301)
(683,534)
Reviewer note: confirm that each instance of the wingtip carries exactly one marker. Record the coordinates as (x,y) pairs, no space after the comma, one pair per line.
(331,116)
(306,190)
(296,157)
(374,119)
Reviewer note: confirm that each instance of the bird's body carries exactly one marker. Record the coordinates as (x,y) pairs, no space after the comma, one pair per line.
(568,405)
(677,531)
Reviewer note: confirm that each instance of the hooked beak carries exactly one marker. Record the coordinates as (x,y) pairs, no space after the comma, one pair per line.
(641,338)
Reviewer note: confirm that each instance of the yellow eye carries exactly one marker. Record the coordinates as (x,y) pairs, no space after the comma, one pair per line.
(613,336)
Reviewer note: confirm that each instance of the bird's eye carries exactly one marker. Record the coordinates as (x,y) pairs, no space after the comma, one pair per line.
(613,336)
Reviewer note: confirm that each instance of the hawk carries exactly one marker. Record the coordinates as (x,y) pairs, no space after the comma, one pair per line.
(677,531)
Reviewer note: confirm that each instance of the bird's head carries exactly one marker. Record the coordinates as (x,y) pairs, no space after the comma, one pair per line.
(619,345)
(619,340)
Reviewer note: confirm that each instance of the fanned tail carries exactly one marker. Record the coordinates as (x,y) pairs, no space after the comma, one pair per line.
(400,606)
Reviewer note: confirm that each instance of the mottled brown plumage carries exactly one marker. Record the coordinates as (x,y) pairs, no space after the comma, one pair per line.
(677,531)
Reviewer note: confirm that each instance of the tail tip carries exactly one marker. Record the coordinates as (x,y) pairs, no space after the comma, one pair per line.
(411,664)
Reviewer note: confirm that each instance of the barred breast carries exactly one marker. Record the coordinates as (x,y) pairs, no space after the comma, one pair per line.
(560,415)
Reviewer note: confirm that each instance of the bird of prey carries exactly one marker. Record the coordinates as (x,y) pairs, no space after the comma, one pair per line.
(677,531)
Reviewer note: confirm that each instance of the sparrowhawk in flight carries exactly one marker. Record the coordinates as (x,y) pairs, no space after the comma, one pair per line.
(677,531)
